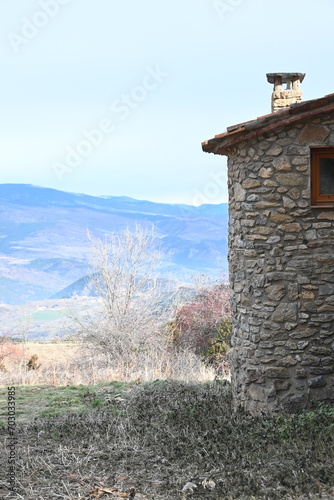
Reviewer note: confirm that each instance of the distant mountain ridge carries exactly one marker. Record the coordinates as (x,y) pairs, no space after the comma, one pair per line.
(44,247)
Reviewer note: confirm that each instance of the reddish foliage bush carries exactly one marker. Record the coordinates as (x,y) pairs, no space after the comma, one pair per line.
(199,322)
(9,350)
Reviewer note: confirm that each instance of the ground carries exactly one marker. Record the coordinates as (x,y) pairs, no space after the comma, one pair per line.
(85,442)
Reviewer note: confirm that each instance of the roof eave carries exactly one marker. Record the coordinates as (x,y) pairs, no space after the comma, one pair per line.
(222,143)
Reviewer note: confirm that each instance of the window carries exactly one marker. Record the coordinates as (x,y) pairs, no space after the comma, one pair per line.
(322,177)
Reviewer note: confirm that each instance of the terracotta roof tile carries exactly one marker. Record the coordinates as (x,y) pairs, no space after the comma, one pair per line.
(247,130)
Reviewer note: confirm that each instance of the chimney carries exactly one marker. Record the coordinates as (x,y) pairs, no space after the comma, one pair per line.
(284,97)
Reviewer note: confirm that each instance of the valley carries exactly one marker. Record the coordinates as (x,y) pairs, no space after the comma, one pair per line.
(44,249)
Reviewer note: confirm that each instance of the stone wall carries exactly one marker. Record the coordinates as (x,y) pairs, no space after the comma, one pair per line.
(282,272)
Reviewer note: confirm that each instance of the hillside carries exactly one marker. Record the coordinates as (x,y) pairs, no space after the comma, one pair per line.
(43,237)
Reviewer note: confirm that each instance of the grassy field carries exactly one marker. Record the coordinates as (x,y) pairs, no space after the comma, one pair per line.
(49,401)
(65,363)
(51,352)
(147,441)
(47,315)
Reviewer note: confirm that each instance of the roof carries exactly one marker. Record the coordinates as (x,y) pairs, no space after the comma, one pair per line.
(235,134)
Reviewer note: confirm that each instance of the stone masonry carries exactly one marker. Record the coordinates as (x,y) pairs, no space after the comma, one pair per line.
(281,263)
(281,98)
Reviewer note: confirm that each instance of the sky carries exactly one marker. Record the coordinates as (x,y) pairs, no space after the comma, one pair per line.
(110,97)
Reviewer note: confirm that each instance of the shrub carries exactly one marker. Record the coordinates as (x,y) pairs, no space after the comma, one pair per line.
(9,351)
(32,363)
(204,325)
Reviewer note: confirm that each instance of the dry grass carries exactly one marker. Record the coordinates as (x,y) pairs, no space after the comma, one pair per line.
(66,364)
(53,352)
(157,437)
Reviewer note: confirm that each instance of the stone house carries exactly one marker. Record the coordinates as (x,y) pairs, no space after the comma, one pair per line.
(281,251)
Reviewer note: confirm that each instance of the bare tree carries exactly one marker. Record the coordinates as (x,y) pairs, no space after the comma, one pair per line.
(124,276)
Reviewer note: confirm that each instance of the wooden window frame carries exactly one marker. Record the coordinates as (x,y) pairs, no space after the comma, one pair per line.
(317,199)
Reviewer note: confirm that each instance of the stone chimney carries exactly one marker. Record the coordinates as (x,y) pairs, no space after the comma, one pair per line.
(284,97)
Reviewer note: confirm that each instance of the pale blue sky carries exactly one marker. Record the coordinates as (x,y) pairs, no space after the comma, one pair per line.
(190,67)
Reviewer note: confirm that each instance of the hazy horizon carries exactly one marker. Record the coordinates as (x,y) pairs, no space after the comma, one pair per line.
(125,196)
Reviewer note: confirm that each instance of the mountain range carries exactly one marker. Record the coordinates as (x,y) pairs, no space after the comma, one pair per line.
(44,245)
